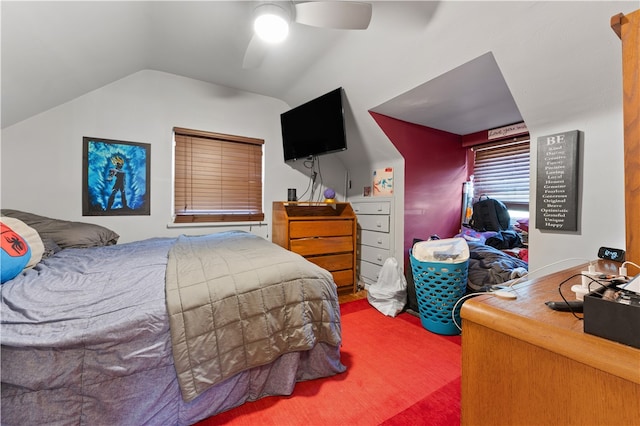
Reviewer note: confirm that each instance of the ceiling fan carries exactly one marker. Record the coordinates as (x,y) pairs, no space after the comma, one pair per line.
(276,16)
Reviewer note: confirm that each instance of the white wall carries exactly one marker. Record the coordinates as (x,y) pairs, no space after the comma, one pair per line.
(601,211)
(580,90)
(42,156)
(562,63)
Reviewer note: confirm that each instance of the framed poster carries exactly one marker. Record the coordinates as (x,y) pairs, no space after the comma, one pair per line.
(557,182)
(115,177)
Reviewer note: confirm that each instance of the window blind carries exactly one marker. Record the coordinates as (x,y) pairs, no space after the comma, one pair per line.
(501,171)
(218,178)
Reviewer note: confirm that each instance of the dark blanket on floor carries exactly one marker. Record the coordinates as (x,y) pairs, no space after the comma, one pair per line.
(489,266)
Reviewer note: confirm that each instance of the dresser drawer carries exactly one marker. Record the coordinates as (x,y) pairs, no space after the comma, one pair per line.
(325,228)
(323,233)
(374,222)
(375,239)
(367,282)
(343,278)
(373,254)
(369,270)
(382,207)
(333,262)
(324,245)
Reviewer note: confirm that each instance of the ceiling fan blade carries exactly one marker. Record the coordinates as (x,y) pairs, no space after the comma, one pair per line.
(343,15)
(255,53)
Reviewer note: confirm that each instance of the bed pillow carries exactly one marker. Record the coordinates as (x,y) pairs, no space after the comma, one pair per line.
(20,248)
(65,233)
(50,248)
(14,254)
(30,235)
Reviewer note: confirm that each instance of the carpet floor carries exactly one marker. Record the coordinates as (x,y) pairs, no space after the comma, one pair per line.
(398,373)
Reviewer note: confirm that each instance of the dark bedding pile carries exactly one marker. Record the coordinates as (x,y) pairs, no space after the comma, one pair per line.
(489,266)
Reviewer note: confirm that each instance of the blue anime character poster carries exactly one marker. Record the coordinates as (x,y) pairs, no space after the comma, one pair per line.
(115,178)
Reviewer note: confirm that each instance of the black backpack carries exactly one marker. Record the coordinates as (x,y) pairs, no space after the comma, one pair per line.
(489,214)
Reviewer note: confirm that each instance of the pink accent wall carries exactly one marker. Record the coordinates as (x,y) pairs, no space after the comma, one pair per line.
(435,169)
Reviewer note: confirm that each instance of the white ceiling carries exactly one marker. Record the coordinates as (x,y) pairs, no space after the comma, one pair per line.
(467,99)
(53,52)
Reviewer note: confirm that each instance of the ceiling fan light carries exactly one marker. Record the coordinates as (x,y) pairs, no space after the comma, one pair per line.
(271,23)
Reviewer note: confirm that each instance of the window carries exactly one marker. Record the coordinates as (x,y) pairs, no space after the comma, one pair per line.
(218,178)
(501,171)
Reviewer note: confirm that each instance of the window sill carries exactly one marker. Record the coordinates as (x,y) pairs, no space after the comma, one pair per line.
(214,224)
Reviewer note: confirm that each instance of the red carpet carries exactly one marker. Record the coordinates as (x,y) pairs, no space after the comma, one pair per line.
(398,373)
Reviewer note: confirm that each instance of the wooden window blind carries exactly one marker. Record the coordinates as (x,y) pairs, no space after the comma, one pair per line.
(501,171)
(218,177)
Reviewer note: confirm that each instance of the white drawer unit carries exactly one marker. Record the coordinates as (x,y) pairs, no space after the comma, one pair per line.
(375,236)
(376,207)
(373,254)
(375,239)
(368,272)
(374,222)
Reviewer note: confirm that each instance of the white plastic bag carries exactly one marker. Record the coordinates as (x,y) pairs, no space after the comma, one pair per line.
(449,250)
(389,294)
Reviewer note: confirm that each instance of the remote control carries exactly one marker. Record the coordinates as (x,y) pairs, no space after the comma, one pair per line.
(568,306)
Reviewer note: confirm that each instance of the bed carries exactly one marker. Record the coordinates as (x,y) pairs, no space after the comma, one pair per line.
(161,331)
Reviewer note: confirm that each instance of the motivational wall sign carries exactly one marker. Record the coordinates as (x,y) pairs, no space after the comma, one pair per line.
(557,182)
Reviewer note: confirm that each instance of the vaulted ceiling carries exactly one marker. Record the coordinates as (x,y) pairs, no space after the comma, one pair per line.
(53,52)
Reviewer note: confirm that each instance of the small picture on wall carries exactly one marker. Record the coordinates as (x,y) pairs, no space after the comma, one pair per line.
(383,182)
(115,177)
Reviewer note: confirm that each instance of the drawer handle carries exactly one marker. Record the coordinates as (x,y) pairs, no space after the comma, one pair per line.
(379,240)
(379,257)
(379,224)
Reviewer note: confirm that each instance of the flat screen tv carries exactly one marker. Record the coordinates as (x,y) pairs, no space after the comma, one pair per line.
(314,128)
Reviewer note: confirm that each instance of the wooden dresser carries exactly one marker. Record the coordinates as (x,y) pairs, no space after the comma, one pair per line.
(627,27)
(324,233)
(525,364)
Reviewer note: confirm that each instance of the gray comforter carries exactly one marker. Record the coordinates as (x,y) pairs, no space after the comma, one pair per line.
(86,340)
(235,303)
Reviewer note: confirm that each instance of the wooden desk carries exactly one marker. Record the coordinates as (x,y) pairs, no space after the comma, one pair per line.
(524,364)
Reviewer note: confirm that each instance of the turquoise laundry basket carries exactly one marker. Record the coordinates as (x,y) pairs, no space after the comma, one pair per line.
(439,286)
